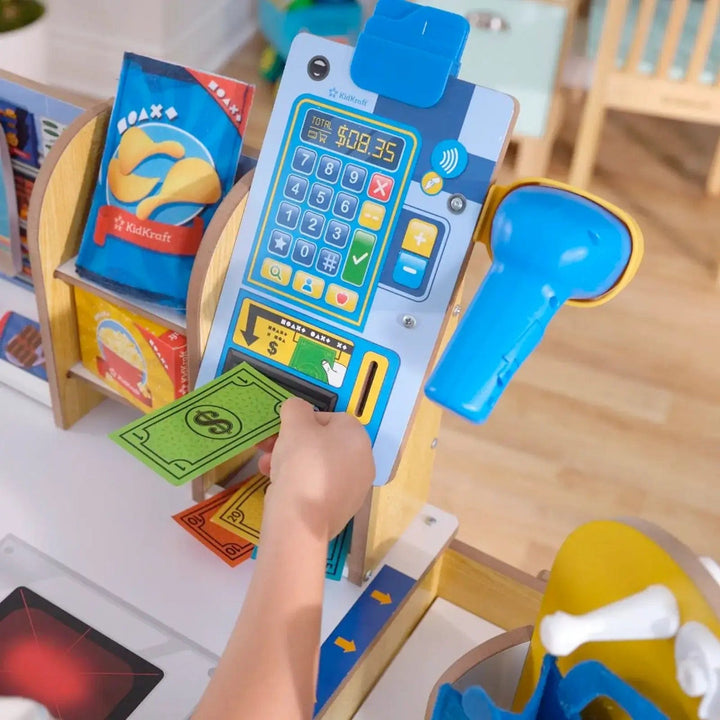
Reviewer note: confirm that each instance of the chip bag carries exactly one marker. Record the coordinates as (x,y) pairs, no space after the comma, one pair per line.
(171,154)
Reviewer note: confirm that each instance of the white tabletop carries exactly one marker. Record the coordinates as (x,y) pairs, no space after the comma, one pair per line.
(77,497)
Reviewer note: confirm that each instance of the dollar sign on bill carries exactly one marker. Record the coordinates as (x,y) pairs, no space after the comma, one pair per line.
(272,348)
(211,421)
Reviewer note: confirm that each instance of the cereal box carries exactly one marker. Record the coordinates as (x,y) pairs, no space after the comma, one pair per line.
(143,361)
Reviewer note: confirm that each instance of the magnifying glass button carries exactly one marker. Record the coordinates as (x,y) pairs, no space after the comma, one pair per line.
(276,272)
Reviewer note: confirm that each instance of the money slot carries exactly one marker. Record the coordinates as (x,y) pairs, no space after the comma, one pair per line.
(370,379)
(321,399)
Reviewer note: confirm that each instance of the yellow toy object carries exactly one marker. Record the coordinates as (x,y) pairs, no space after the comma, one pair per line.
(663,634)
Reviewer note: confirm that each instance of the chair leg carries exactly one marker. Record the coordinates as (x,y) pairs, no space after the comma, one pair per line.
(533,157)
(712,186)
(586,142)
(534,153)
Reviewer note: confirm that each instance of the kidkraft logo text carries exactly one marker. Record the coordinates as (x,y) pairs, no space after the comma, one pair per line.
(336,94)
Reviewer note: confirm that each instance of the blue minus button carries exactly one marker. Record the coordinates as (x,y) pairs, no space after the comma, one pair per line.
(409,270)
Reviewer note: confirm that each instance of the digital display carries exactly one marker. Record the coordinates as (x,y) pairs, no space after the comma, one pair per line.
(353,139)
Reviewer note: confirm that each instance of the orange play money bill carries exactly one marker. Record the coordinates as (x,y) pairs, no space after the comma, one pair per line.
(197,520)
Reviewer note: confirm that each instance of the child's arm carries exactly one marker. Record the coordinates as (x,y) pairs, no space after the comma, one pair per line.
(321,469)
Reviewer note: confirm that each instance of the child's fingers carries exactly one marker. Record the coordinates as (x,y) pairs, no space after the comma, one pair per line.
(268,444)
(296,413)
(264,462)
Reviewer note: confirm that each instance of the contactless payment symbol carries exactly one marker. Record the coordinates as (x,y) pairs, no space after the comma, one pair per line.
(211,421)
(431,183)
(449,159)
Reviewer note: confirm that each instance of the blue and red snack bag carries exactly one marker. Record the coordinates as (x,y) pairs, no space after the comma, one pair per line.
(171,154)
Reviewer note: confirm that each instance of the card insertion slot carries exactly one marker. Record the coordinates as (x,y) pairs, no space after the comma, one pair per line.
(322,399)
(369,382)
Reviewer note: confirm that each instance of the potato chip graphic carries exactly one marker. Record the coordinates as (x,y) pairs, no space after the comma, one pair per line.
(136,146)
(128,188)
(191,180)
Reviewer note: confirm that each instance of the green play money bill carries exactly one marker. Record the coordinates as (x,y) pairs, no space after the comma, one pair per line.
(208,426)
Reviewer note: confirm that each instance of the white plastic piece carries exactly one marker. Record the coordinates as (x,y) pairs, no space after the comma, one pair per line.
(651,614)
(697,662)
(712,567)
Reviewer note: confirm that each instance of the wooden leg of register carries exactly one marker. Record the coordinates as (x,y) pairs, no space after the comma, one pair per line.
(389,509)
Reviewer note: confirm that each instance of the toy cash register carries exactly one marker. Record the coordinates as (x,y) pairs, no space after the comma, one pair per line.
(359,220)
(365,199)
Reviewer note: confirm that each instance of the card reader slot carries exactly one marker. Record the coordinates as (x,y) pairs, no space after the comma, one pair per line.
(322,399)
(369,383)
(365,393)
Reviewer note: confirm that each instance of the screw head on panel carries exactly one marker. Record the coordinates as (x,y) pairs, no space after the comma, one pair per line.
(457,204)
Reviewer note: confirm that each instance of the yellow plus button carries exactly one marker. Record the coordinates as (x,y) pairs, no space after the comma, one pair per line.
(420,237)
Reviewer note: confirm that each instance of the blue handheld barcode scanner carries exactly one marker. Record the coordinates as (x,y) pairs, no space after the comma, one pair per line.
(550,245)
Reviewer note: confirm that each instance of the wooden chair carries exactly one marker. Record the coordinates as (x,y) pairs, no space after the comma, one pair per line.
(519,47)
(678,78)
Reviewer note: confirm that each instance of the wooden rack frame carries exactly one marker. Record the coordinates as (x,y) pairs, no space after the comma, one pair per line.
(58,213)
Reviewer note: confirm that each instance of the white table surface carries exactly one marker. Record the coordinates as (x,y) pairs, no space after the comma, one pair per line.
(79,498)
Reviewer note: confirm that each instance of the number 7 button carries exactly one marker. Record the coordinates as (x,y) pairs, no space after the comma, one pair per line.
(358,258)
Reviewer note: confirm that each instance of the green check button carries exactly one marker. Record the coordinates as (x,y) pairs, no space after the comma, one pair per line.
(359,256)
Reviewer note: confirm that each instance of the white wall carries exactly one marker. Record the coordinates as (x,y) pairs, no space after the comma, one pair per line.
(89,37)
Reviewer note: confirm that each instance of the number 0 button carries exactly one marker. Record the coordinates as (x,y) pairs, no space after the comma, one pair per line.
(304,252)
(345,206)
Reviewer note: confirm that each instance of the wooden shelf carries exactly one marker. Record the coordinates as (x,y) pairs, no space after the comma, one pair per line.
(165,316)
(80,372)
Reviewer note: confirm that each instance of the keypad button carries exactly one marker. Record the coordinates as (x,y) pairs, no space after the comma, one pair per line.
(337,234)
(371,215)
(354,178)
(275,271)
(328,262)
(295,188)
(279,243)
(358,259)
(342,298)
(308,284)
(381,187)
(328,169)
(420,237)
(345,206)
(320,196)
(304,160)
(288,215)
(409,270)
(312,224)
(304,252)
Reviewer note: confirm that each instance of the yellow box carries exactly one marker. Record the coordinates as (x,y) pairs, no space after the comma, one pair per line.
(143,361)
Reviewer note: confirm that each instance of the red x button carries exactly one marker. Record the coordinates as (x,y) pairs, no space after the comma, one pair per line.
(380,187)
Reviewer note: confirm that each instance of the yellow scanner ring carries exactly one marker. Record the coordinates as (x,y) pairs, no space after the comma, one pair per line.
(497,193)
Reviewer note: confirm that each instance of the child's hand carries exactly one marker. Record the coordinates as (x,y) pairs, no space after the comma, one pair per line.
(321,466)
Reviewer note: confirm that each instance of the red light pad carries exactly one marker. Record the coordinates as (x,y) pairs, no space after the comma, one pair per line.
(77,673)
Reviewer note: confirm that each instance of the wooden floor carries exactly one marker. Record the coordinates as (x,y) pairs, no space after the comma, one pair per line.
(618,412)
